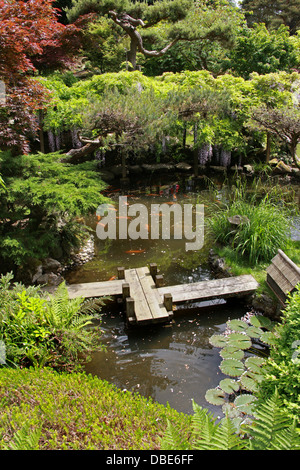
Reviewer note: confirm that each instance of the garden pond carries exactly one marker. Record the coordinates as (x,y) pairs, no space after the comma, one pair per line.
(172,363)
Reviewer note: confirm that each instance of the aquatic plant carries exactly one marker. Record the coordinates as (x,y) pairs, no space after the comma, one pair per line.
(244,350)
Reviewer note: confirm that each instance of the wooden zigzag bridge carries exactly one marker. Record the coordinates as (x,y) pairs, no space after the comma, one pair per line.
(148,301)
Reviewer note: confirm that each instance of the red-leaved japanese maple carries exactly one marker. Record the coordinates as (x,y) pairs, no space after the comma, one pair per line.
(27,29)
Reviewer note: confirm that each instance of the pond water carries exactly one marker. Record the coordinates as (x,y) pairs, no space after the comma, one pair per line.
(173,363)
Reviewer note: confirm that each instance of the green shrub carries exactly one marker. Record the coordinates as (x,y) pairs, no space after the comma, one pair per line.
(78,412)
(282,369)
(39,331)
(40,203)
(263,228)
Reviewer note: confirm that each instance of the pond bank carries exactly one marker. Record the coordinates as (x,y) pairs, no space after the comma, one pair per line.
(275,168)
(262,301)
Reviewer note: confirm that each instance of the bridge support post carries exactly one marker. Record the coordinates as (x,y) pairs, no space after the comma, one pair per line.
(125,290)
(130,310)
(168,302)
(121,273)
(159,280)
(153,270)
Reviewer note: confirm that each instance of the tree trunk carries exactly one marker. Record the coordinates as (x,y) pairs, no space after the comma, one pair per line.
(131,55)
(124,169)
(41,131)
(76,154)
(184,136)
(195,150)
(268,148)
(293,147)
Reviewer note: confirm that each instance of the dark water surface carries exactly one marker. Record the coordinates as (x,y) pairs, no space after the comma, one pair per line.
(171,364)
(174,363)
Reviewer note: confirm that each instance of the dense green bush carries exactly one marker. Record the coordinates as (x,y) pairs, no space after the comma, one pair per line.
(282,370)
(43,331)
(78,412)
(39,205)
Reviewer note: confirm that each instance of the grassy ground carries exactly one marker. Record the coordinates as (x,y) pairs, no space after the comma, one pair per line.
(77,412)
(238,266)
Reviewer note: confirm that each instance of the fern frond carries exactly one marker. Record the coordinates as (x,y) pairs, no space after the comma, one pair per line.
(61,311)
(272,429)
(205,436)
(287,439)
(226,438)
(172,439)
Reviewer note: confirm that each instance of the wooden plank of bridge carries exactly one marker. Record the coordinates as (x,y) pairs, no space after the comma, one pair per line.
(141,308)
(157,308)
(204,290)
(96,289)
(148,306)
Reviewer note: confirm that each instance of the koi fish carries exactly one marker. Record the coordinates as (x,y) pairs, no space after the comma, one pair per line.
(113,278)
(135,251)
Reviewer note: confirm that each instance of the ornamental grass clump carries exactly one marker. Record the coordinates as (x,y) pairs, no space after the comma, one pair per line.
(264,228)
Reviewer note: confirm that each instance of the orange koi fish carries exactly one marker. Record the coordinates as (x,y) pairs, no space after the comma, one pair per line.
(135,251)
(113,278)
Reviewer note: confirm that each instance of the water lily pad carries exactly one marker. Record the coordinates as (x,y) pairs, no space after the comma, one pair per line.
(215,396)
(219,341)
(239,341)
(232,367)
(249,383)
(245,403)
(237,325)
(230,410)
(230,352)
(254,332)
(229,385)
(262,322)
(254,364)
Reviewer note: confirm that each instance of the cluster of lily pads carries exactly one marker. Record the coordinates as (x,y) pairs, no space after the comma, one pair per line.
(244,349)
